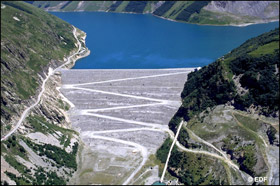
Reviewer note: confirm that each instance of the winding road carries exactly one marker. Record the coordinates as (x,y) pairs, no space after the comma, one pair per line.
(143,125)
(50,73)
(105,87)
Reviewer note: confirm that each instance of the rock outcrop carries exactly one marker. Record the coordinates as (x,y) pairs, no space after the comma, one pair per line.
(259,9)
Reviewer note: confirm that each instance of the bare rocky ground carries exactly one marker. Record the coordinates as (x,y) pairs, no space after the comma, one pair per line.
(9,168)
(122,116)
(224,121)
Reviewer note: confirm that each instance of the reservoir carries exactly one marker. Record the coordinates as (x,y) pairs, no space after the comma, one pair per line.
(143,41)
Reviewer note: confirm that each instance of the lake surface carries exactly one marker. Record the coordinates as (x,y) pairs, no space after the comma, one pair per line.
(131,41)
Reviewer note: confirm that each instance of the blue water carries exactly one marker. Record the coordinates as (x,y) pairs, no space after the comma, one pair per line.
(123,41)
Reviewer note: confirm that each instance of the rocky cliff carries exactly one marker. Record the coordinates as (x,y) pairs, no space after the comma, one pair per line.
(238,12)
(200,12)
(261,9)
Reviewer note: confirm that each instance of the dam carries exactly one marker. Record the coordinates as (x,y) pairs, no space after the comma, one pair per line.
(122,117)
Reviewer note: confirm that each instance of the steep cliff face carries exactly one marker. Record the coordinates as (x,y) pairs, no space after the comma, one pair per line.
(33,43)
(201,12)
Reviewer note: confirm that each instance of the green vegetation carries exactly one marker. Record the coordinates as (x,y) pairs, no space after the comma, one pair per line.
(19,180)
(257,63)
(258,75)
(265,49)
(176,9)
(44,4)
(95,5)
(195,169)
(185,11)
(62,105)
(163,150)
(164,8)
(41,125)
(13,147)
(248,122)
(30,40)
(271,132)
(175,121)
(204,88)
(195,7)
(3,148)
(208,17)
(65,140)
(66,4)
(148,7)
(122,6)
(212,85)
(8,127)
(136,6)
(60,156)
(248,160)
(192,168)
(41,178)
(184,137)
(47,178)
(114,6)
(14,163)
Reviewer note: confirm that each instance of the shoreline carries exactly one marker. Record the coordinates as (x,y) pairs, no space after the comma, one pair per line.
(85,52)
(173,20)
(67,61)
(75,59)
(235,25)
(81,54)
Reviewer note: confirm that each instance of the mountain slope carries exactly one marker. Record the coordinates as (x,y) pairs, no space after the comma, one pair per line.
(199,12)
(31,42)
(43,149)
(233,105)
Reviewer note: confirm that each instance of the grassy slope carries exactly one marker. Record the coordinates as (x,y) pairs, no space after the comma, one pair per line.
(173,12)
(183,11)
(27,47)
(72,6)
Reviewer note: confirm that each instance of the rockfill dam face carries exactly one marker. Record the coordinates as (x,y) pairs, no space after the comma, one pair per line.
(122,116)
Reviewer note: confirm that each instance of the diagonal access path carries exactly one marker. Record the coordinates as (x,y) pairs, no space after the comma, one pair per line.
(50,73)
(101,106)
(124,111)
(170,150)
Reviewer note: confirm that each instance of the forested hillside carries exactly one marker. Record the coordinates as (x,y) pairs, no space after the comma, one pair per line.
(252,67)
(233,104)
